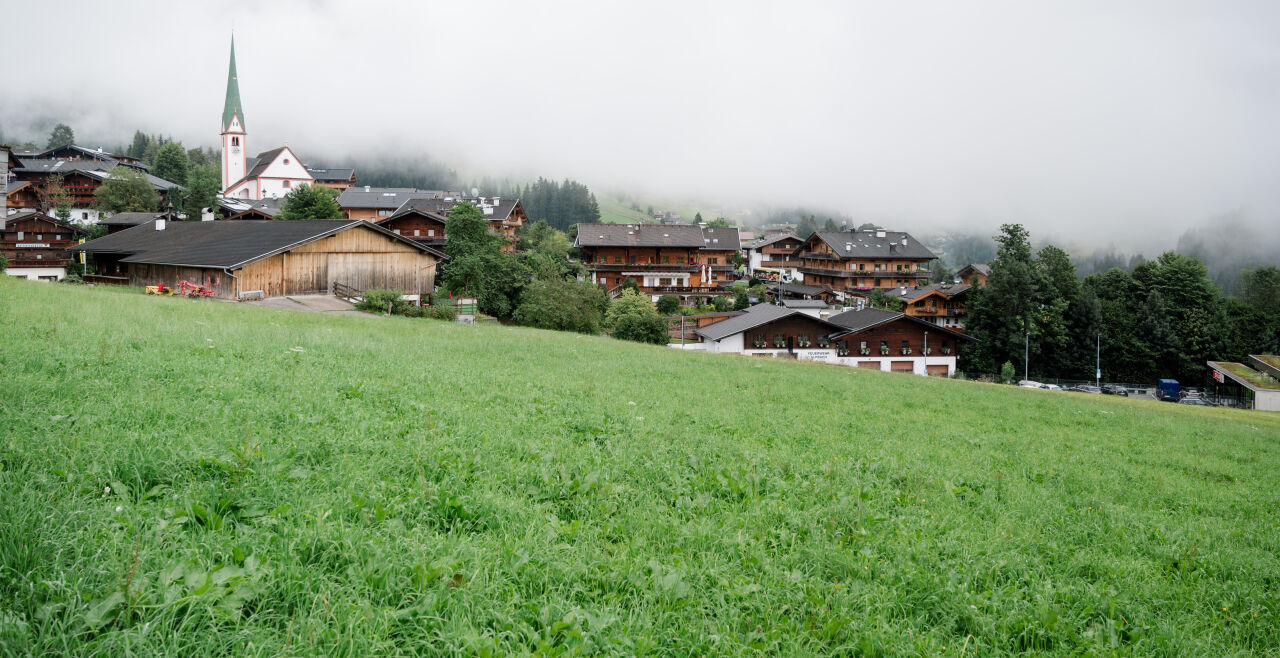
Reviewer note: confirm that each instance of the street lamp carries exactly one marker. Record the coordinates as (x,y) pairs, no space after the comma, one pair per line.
(1098,360)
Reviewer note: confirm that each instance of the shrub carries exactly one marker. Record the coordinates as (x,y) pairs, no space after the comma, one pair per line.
(4,263)
(441,312)
(562,305)
(721,304)
(378,300)
(668,304)
(1007,373)
(741,301)
(642,329)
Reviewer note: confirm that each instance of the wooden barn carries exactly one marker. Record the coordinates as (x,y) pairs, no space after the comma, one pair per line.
(272,258)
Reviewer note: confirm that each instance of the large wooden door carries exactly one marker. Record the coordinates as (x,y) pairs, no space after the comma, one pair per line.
(936,371)
(901,366)
(306,273)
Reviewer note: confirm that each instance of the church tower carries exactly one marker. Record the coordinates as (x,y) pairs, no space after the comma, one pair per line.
(234,146)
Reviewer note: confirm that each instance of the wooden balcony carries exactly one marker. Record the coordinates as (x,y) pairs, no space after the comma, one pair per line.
(645,267)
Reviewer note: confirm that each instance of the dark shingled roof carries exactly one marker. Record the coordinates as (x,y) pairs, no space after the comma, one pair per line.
(770,239)
(757,315)
(799,289)
(440,206)
(913,293)
(264,160)
(865,244)
(130,218)
(981,268)
(223,244)
(804,303)
(867,318)
(657,235)
(24,214)
(331,174)
(384,198)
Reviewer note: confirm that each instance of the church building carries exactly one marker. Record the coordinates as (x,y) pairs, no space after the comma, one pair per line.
(270,175)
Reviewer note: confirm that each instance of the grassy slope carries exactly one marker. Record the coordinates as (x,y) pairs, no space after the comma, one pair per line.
(409,486)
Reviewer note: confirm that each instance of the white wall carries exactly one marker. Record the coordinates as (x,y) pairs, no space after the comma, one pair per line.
(35,273)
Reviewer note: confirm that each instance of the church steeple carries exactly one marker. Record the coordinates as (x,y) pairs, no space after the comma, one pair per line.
(235,144)
(232,107)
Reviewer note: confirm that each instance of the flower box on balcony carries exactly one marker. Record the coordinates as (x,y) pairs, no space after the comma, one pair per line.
(906,350)
(884,351)
(925,351)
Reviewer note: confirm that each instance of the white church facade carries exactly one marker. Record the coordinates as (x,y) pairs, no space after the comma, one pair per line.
(272,174)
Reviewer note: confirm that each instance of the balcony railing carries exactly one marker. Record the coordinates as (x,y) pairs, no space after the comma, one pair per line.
(641,267)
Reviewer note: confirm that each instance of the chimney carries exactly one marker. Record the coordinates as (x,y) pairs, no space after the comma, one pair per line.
(159,223)
(366,188)
(904,242)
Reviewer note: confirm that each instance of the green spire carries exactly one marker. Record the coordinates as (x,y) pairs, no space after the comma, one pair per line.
(233,93)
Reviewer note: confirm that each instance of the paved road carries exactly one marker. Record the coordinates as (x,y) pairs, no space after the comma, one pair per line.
(314,303)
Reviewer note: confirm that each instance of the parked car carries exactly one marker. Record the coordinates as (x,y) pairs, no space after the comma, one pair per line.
(1112,389)
(1087,388)
(1027,383)
(1168,390)
(1195,400)
(1051,387)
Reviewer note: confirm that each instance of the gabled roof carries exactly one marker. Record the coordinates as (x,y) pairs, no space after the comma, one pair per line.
(36,214)
(269,207)
(331,174)
(866,244)
(947,290)
(800,289)
(385,198)
(156,182)
(770,239)
(981,268)
(804,303)
(868,318)
(440,206)
(130,218)
(758,315)
(225,245)
(96,168)
(657,235)
(715,238)
(264,160)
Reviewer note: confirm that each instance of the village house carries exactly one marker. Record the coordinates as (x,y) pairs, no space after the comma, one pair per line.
(772,258)
(36,245)
(868,338)
(897,342)
(334,179)
(266,258)
(677,259)
(81,178)
(943,304)
(860,261)
(378,203)
(421,220)
(974,275)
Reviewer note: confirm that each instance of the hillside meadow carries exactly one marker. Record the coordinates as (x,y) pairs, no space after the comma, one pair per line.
(182,477)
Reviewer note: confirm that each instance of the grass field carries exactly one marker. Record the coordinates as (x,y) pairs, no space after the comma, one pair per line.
(185,477)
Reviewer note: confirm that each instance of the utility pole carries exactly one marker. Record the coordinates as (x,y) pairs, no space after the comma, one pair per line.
(1026,356)
(1098,356)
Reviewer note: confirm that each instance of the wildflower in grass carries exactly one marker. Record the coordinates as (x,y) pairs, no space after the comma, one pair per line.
(632,403)
(106,491)
(297,348)
(639,417)
(119,509)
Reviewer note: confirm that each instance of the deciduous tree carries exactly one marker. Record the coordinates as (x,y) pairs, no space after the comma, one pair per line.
(126,190)
(310,202)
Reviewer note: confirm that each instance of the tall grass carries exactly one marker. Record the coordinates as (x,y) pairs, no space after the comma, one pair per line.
(187,477)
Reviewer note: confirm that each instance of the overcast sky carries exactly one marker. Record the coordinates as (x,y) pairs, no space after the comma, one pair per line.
(1094,121)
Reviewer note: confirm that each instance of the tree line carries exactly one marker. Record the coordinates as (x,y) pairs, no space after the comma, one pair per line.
(1166,318)
(561,205)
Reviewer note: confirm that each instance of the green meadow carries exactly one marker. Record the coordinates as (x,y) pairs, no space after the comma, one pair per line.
(182,477)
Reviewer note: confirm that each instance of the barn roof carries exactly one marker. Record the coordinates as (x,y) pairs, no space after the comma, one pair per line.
(226,244)
(867,318)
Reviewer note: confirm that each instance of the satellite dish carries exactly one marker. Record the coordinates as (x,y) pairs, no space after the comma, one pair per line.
(475,191)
